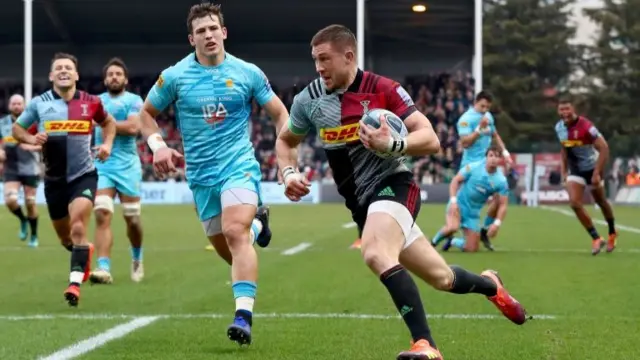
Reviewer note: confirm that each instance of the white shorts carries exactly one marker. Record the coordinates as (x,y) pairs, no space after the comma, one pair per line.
(401,214)
(230,197)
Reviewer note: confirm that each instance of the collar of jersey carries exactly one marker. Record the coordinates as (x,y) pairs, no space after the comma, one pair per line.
(195,60)
(55,95)
(354,87)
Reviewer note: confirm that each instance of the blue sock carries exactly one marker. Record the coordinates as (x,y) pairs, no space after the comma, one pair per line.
(104,263)
(437,238)
(136,254)
(488,221)
(459,243)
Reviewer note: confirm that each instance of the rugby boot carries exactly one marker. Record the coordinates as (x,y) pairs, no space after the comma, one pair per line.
(509,306)
(33,242)
(420,350)
(100,276)
(264,238)
(486,242)
(72,295)
(611,243)
(87,268)
(137,271)
(24,230)
(240,331)
(447,244)
(356,244)
(597,245)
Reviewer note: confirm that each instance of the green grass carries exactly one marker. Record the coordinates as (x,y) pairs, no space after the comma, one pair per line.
(545,263)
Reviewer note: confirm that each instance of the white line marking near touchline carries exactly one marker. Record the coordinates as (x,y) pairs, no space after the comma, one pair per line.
(296,249)
(97,341)
(349,225)
(266,316)
(597,221)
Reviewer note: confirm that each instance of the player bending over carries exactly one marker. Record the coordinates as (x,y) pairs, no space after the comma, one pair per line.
(64,118)
(21,168)
(476,128)
(380,193)
(121,174)
(212,92)
(469,190)
(582,167)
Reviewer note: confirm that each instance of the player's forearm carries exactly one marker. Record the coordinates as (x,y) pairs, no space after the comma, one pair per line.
(129,127)
(108,130)
(564,168)
(453,187)
(422,142)
(603,156)
(148,125)
(286,154)
(503,147)
(30,147)
(468,140)
(22,135)
(502,212)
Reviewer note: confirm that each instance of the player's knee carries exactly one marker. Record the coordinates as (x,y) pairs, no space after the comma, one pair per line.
(374,256)
(236,234)
(78,229)
(575,204)
(11,198)
(103,218)
(103,203)
(471,246)
(130,210)
(133,221)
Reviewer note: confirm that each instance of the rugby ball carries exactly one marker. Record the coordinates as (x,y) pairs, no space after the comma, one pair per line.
(396,125)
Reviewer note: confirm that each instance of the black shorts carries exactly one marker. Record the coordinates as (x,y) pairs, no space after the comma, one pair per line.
(582,177)
(24,180)
(399,188)
(59,194)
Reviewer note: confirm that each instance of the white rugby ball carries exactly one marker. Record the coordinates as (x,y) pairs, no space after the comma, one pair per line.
(396,125)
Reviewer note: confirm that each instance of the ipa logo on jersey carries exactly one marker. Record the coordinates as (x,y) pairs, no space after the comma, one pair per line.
(340,134)
(214,113)
(68,126)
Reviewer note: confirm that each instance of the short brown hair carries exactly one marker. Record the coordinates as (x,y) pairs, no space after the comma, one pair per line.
(338,35)
(61,55)
(565,101)
(493,149)
(116,61)
(203,10)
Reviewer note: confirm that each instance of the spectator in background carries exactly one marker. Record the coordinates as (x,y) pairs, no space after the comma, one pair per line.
(633,177)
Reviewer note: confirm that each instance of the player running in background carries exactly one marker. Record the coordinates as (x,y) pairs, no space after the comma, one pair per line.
(212,92)
(21,168)
(121,174)
(476,128)
(469,191)
(64,118)
(380,193)
(582,167)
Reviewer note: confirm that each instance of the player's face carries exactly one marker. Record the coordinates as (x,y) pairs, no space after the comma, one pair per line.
(63,74)
(566,112)
(493,159)
(482,105)
(16,105)
(208,35)
(333,65)
(115,79)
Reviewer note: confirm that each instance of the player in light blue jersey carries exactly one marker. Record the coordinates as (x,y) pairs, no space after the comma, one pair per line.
(477,130)
(212,92)
(120,175)
(469,190)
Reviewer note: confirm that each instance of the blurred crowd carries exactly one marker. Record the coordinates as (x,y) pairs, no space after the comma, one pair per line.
(441,97)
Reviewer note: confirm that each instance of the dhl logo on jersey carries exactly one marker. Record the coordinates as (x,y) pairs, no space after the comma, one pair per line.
(9,140)
(68,126)
(340,134)
(572,143)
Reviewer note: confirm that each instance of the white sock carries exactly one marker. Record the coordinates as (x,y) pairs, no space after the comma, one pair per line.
(76,277)
(257,224)
(245,303)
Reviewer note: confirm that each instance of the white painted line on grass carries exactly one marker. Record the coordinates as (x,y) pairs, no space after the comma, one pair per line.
(297,249)
(349,225)
(597,221)
(97,341)
(264,316)
(586,250)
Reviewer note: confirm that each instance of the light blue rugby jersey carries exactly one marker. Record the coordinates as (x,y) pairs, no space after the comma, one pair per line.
(124,154)
(213,109)
(466,126)
(479,185)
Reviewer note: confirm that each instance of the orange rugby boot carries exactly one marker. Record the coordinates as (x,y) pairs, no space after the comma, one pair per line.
(72,295)
(596,246)
(509,306)
(356,244)
(611,243)
(420,350)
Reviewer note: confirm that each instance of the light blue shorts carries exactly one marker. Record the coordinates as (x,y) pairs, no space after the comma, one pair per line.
(469,218)
(207,198)
(125,182)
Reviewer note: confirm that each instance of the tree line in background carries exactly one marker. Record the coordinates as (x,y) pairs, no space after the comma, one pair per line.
(529,62)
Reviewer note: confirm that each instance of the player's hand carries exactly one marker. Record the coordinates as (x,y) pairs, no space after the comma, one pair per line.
(376,139)
(493,230)
(103,152)
(596,179)
(164,160)
(484,122)
(40,138)
(296,186)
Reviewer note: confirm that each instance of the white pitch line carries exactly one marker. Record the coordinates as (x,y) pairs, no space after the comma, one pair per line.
(499,249)
(264,316)
(597,221)
(349,225)
(97,341)
(297,249)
